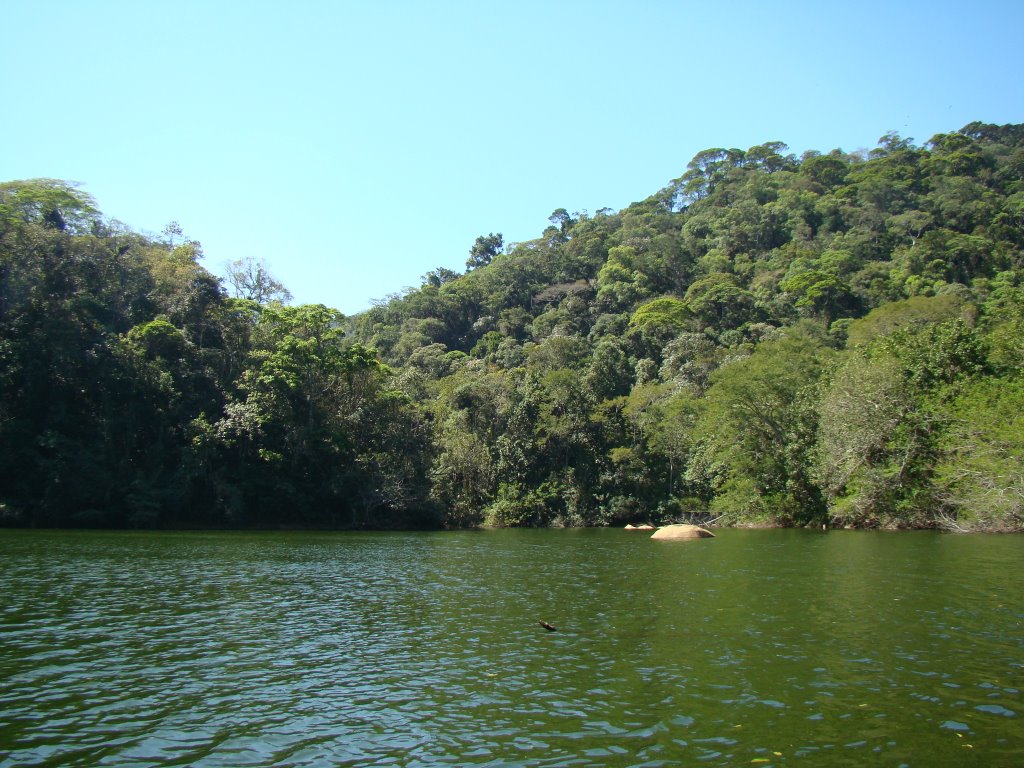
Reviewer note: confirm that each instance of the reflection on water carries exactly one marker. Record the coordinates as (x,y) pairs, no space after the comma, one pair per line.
(756,647)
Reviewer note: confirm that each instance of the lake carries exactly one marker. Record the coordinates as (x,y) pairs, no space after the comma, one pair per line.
(766,647)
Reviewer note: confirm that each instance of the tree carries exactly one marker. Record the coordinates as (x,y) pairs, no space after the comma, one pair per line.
(689,359)
(561,225)
(172,230)
(756,429)
(915,312)
(717,300)
(980,477)
(250,279)
(1003,323)
(318,433)
(648,361)
(819,293)
(892,143)
(666,316)
(870,441)
(609,374)
(882,417)
(53,203)
(769,158)
(705,171)
(484,250)
(438,277)
(827,170)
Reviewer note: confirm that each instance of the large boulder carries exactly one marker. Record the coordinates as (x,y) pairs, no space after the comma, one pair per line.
(682,531)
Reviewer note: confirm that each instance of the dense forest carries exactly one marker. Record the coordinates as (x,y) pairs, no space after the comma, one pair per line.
(835,338)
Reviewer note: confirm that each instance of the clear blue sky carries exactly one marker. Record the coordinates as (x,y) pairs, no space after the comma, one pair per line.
(357,145)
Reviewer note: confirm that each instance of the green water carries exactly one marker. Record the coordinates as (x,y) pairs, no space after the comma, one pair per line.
(754,648)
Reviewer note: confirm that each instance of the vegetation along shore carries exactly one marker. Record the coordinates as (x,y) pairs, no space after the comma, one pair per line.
(831,339)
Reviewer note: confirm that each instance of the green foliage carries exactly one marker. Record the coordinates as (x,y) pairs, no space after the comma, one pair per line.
(830,339)
(871,442)
(917,311)
(1003,322)
(718,301)
(980,477)
(938,354)
(483,251)
(756,427)
(48,202)
(135,393)
(820,293)
(667,315)
(884,419)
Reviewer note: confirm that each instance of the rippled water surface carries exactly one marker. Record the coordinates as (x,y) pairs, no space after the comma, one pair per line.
(408,649)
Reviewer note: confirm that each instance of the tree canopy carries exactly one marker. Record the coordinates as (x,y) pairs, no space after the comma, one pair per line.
(831,339)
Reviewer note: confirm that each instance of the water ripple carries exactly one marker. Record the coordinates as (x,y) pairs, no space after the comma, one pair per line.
(423,649)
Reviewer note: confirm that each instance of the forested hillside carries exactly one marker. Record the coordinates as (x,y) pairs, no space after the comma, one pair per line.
(827,339)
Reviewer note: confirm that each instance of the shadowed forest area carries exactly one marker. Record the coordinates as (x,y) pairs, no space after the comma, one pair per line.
(835,338)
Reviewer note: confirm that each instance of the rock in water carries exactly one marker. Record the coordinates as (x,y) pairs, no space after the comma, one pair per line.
(682,531)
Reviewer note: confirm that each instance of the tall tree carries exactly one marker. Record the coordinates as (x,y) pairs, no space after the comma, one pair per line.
(251,279)
(484,249)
